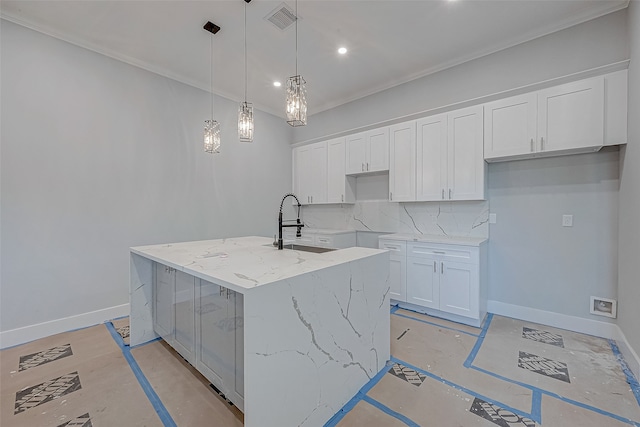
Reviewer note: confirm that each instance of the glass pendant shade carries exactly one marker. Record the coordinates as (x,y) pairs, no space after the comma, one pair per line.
(296,101)
(211,136)
(245,122)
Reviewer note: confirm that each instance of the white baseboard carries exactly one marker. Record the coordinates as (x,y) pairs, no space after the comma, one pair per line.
(25,334)
(557,320)
(629,354)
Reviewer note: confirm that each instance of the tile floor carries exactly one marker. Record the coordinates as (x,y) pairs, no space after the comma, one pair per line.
(508,373)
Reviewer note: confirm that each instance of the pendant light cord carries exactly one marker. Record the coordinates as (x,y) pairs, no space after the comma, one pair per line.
(245,52)
(211,71)
(297,38)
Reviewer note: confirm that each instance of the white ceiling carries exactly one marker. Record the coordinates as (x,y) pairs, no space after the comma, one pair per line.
(390,41)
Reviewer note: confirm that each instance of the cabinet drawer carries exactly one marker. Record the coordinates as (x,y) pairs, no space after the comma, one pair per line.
(458,253)
(324,241)
(396,247)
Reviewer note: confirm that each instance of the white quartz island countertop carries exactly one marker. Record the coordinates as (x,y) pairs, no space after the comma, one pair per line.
(293,338)
(244,263)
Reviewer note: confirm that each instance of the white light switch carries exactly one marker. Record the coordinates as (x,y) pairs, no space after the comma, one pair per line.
(492,218)
(567,220)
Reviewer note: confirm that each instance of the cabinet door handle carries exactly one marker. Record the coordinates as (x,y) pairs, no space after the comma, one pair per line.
(449,194)
(443,194)
(442,268)
(541,143)
(343,197)
(221,290)
(311,199)
(367,165)
(391,195)
(532,145)
(434,266)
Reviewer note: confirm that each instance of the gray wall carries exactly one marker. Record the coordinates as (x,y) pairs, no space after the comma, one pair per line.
(594,43)
(629,252)
(534,261)
(98,156)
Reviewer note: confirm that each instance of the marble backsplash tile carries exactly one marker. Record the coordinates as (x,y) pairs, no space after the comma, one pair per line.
(439,218)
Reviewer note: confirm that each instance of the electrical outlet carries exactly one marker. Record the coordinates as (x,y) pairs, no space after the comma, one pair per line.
(492,218)
(567,220)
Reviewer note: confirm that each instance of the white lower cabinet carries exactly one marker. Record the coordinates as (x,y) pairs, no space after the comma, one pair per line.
(397,268)
(203,322)
(220,332)
(446,280)
(327,239)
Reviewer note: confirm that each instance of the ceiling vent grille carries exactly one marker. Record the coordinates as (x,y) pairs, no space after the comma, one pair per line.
(282,16)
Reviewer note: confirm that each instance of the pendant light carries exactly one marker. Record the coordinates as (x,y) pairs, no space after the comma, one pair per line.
(296,92)
(211,127)
(245,113)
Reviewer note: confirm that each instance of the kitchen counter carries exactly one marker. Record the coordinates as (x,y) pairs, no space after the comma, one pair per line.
(432,238)
(244,263)
(311,329)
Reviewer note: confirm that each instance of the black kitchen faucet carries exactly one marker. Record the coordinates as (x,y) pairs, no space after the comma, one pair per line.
(281,225)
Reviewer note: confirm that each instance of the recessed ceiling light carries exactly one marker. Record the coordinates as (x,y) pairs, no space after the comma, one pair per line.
(342,50)
(277,84)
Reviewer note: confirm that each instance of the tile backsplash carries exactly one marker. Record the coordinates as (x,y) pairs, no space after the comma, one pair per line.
(439,218)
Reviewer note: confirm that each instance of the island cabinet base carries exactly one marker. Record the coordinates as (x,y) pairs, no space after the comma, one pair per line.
(290,351)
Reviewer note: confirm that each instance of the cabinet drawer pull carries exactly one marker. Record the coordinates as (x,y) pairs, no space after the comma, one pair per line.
(439,252)
(434,266)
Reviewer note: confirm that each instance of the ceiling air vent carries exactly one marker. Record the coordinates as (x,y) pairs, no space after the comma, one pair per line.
(282,16)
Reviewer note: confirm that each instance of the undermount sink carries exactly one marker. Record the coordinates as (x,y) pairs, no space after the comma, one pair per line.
(303,248)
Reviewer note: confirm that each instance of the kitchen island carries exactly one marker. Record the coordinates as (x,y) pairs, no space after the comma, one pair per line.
(289,336)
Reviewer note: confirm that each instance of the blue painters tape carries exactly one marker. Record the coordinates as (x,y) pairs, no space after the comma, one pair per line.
(434,324)
(394,309)
(479,341)
(333,421)
(631,379)
(463,389)
(390,411)
(536,406)
(143,344)
(162,412)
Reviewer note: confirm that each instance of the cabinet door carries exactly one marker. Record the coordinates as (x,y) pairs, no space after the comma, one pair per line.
(402,162)
(317,173)
(431,156)
(466,165)
(238,302)
(459,288)
(423,282)
(356,153)
(336,171)
(510,126)
(216,356)
(185,327)
(163,295)
(398,277)
(377,150)
(301,177)
(571,116)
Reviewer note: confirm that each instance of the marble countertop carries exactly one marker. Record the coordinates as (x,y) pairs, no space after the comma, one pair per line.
(431,238)
(243,263)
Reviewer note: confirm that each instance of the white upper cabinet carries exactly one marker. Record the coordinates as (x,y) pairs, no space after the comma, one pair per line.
(368,151)
(571,116)
(465,160)
(450,162)
(402,162)
(431,158)
(510,126)
(310,173)
(564,119)
(340,188)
